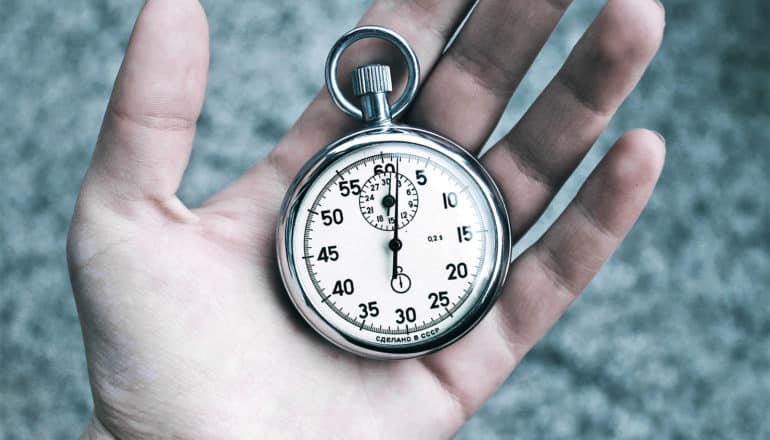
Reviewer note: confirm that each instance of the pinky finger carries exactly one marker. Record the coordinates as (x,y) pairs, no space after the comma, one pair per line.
(546,279)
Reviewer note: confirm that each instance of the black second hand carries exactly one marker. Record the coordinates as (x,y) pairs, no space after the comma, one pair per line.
(395,243)
(390,194)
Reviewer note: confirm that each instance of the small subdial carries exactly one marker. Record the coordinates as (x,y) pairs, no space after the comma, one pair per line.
(383,197)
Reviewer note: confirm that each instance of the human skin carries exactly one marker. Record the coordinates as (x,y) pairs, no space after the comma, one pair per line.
(187,328)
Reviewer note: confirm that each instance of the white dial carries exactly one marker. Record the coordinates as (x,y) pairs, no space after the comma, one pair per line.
(393,245)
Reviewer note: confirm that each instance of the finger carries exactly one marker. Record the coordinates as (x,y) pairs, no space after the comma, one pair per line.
(149,124)
(469,88)
(550,275)
(425,24)
(556,132)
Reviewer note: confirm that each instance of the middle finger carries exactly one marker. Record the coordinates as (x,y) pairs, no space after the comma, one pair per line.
(467,91)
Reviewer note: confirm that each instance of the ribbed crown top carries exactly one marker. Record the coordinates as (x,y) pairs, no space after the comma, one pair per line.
(373,78)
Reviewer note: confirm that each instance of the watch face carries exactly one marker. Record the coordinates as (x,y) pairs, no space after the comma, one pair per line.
(393,245)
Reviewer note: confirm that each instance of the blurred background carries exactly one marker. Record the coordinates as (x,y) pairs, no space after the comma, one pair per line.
(671,340)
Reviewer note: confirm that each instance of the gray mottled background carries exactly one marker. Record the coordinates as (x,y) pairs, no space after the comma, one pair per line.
(672,340)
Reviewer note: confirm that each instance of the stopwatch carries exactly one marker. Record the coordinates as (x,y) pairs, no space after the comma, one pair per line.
(393,242)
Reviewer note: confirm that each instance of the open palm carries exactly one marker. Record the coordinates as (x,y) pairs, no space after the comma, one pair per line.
(187,328)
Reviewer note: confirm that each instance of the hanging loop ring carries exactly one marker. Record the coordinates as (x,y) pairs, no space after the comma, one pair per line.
(360,33)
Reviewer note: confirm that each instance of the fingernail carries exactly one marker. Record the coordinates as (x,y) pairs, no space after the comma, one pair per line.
(660,136)
(660,3)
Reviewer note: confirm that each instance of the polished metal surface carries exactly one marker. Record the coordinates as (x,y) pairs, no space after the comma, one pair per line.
(371,79)
(372,83)
(360,33)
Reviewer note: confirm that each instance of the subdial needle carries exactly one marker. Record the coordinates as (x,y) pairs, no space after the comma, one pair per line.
(389,201)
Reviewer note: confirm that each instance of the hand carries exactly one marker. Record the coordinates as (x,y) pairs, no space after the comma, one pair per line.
(188,331)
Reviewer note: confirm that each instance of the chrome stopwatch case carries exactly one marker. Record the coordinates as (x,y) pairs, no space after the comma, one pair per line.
(393,242)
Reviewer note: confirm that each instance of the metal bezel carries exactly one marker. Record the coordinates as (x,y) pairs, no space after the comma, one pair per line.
(353,142)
